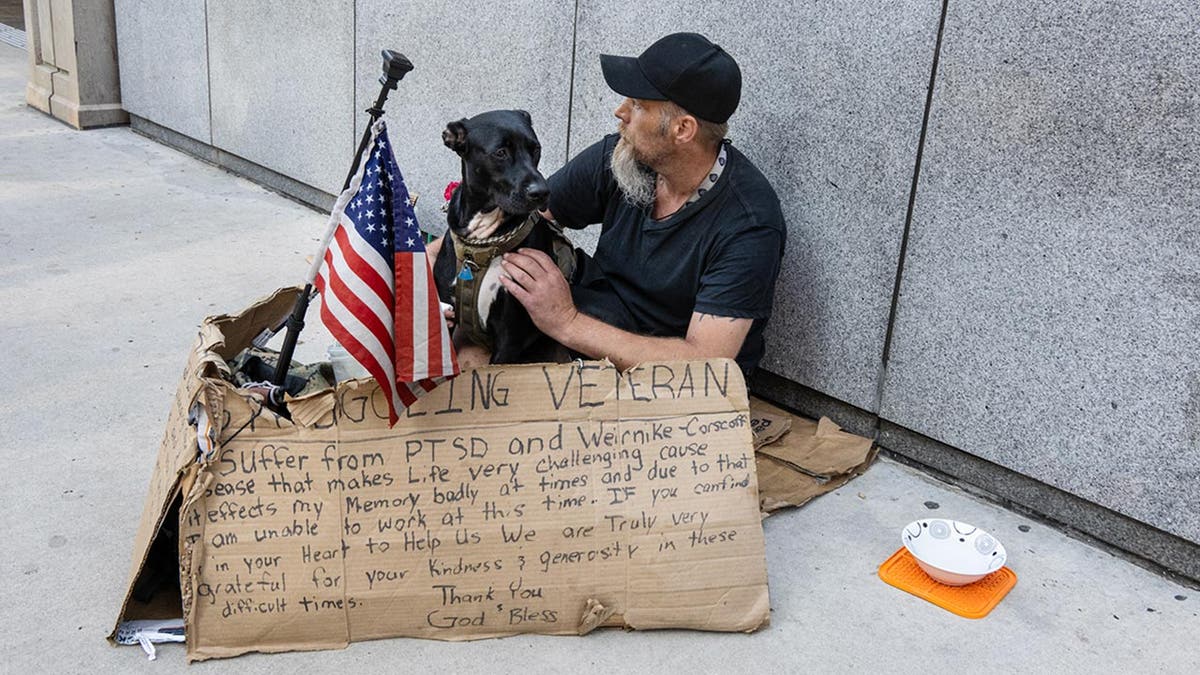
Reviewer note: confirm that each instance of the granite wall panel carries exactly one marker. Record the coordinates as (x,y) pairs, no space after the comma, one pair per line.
(1051,295)
(833,95)
(163,58)
(282,80)
(481,55)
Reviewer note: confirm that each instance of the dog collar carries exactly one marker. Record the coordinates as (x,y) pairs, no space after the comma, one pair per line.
(481,251)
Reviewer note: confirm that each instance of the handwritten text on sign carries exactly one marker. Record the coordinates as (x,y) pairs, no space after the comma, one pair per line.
(502,502)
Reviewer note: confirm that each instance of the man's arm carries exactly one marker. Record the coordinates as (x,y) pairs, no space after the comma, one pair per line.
(708,336)
(534,280)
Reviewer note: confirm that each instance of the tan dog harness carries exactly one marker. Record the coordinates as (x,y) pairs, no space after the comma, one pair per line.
(473,259)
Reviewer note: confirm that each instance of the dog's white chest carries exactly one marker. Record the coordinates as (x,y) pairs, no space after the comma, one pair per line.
(489,287)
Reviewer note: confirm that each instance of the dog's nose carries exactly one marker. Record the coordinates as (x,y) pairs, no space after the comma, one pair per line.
(537,192)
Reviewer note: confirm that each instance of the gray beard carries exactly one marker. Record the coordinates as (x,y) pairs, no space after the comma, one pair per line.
(635,179)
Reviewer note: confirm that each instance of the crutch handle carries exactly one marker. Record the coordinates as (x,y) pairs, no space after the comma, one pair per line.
(395,67)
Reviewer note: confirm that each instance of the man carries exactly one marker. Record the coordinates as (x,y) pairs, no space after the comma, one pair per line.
(692,233)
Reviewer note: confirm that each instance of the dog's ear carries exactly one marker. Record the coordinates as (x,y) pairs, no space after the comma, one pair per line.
(528,119)
(455,136)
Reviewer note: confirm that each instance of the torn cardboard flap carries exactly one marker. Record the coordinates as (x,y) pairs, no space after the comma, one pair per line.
(317,408)
(820,449)
(547,499)
(810,459)
(594,616)
(199,383)
(781,486)
(768,423)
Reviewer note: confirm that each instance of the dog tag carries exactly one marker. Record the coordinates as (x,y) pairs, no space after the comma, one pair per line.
(466,275)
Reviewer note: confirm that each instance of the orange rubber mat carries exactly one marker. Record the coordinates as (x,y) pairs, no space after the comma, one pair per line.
(972,601)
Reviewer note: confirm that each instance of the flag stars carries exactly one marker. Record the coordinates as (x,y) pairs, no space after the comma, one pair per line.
(388,226)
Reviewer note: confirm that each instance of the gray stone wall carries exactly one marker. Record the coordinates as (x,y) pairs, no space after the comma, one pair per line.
(1043,218)
(1050,305)
(282,85)
(162,50)
(479,55)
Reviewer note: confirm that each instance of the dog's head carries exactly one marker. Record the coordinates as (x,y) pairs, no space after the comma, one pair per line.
(500,155)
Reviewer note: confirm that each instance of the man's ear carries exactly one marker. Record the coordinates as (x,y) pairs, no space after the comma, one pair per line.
(455,136)
(686,128)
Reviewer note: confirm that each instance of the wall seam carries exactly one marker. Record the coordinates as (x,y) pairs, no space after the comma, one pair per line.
(50,77)
(354,75)
(881,380)
(208,76)
(571,81)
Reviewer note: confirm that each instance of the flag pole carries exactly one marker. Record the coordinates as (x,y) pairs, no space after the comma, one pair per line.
(395,67)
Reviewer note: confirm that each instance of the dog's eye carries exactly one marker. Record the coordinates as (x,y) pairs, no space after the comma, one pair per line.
(500,153)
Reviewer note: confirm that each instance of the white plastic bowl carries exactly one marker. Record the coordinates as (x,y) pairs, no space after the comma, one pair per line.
(344,365)
(953,553)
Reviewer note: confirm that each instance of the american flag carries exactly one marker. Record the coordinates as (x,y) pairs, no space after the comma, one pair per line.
(377,293)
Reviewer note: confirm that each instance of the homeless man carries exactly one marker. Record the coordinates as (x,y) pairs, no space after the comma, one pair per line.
(692,233)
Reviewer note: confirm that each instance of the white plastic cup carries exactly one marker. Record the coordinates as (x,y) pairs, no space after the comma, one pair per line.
(344,365)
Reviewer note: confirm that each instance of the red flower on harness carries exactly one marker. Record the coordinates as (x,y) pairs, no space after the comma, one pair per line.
(450,188)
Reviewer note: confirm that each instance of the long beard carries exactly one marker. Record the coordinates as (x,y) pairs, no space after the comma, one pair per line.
(635,179)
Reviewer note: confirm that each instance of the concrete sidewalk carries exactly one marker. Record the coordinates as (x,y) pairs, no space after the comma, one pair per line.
(115,247)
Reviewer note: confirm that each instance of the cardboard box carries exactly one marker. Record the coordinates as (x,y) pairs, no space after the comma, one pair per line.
(545,499)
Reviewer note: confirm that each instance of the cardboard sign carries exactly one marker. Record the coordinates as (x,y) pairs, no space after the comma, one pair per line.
(547,499)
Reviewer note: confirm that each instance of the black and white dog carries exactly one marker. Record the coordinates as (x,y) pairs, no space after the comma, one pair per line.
(500,183)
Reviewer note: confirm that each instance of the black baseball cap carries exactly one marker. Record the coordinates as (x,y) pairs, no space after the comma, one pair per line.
(684,68)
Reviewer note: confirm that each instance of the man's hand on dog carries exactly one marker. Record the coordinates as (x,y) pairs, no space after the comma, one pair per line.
(536,282)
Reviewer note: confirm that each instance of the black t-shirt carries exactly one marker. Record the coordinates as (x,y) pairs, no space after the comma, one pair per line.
(719,255)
